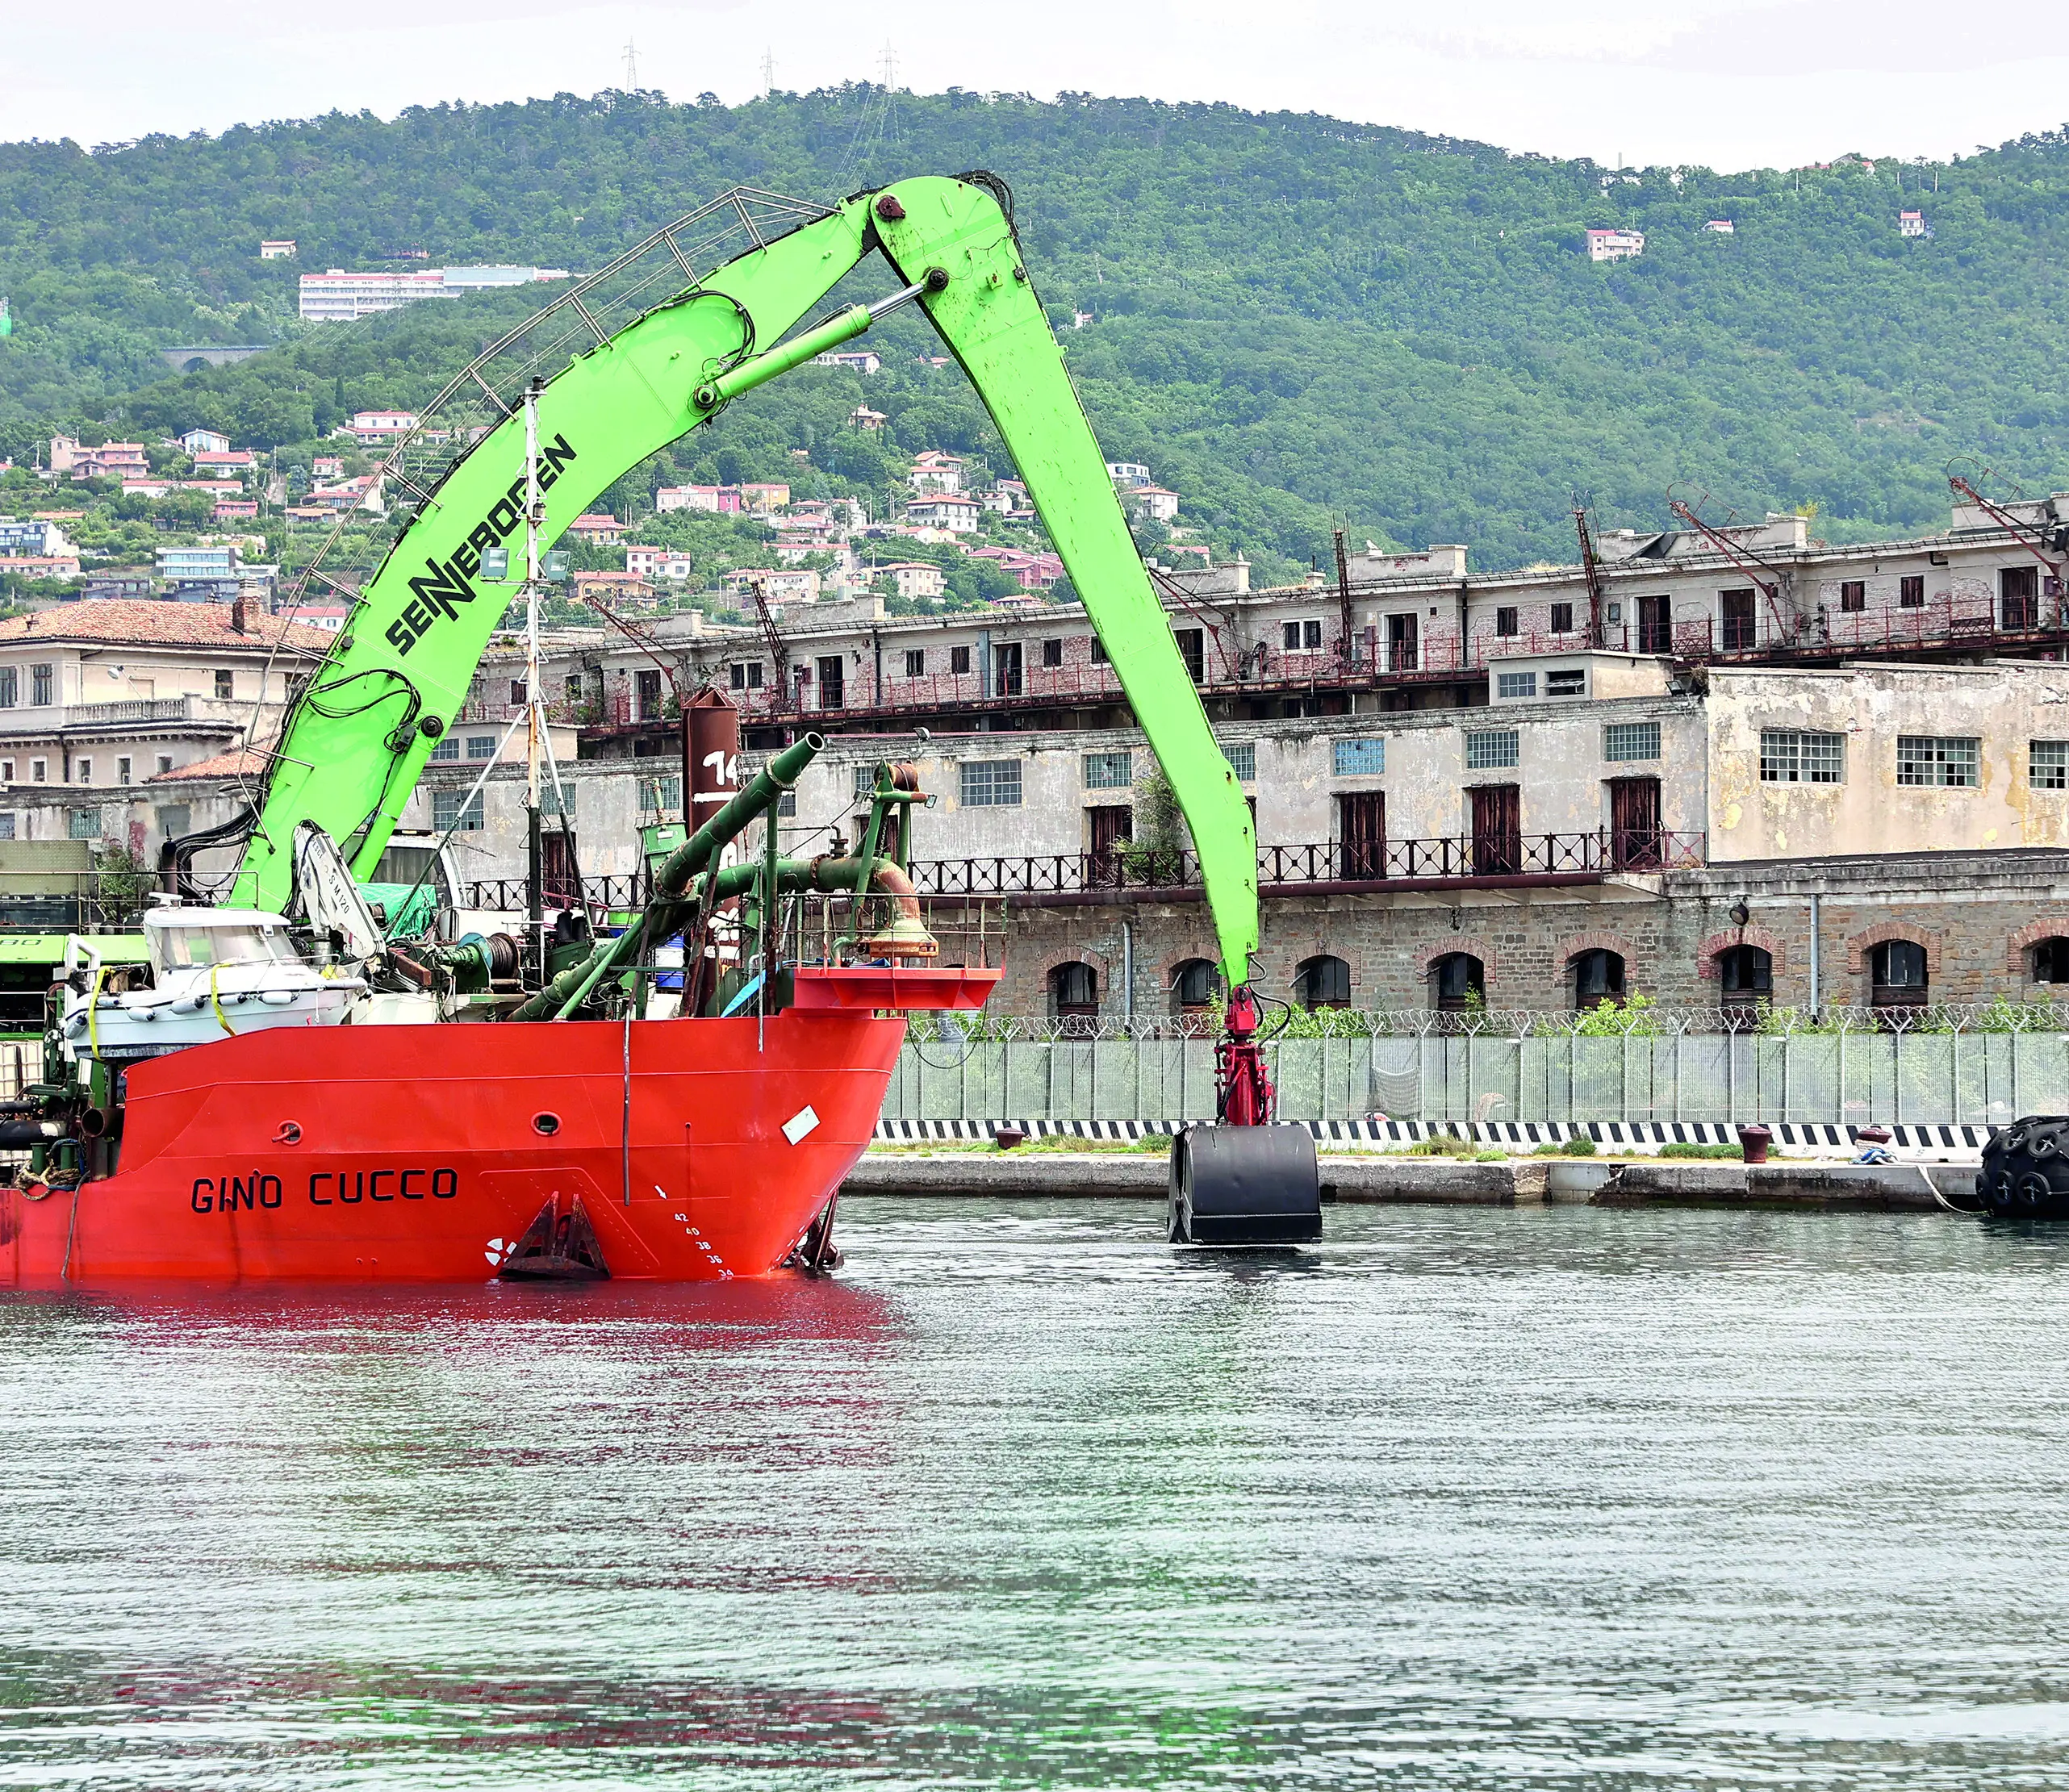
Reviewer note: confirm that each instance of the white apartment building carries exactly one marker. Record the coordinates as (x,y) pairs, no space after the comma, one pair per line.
(1615,245)
(338,297)
(105,693)
(957,516)
(936,475)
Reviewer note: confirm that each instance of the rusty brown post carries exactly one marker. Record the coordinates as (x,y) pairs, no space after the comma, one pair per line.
(711,780)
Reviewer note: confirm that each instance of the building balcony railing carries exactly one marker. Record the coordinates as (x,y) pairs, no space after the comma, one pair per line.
(1462,859)
(1965,622)
(49,718)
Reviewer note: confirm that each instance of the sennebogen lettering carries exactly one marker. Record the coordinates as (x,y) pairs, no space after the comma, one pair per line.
(443,585)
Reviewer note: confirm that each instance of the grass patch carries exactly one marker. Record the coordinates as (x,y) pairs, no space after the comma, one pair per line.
(1684,1148)
(1580,1145)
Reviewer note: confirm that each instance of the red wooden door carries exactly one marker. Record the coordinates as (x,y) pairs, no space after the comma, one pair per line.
(1112,826)
(1634,824)
(1362,830)
(1497,830)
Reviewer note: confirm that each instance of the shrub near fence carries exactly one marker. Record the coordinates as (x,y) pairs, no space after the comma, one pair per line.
(1938,1066)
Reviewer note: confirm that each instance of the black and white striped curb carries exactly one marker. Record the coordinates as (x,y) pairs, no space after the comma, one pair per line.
(1816,1139)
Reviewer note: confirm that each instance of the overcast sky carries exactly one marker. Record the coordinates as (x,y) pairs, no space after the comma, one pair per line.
(1713,82)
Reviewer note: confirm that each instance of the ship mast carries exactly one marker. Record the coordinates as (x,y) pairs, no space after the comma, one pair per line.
(535,894)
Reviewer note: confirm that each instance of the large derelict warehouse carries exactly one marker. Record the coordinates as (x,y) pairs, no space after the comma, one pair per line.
(1721,768)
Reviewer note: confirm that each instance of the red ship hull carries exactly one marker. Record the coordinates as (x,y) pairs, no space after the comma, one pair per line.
(426,1153)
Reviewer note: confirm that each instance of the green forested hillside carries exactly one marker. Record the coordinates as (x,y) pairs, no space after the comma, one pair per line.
(1298,320)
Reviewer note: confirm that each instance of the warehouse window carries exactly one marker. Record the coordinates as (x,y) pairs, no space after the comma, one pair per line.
(1911,591)
(1570,681)
(1940,762)
(39,685)
(86,823)
(959,659)
(1052,651)
(747,674)
(1302,637)
(1496,747)
(448,748)
(1243,761)
(915,662)
(1073,992)
(2049,767)
(1109,771)
(1360,758)
(991,783)
(1562,618)
(481,746)
(1898,974)
(447,816)
(1790,756)
(1631,740)
(1515,684)
(1458,981)
(1852,594)
(1598,978)
(1507,621)
(10,685)
(1323,981)
(6,824)
(226,684)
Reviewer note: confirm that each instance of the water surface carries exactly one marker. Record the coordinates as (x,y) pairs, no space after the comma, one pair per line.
(1459,1498)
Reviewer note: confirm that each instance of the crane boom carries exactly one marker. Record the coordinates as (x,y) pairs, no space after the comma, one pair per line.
(354,742)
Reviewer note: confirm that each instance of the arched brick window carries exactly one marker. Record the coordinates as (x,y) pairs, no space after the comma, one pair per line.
(1323,981)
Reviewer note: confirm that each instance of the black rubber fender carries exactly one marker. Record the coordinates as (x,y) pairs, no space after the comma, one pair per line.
(2026,1170)
(1244,1185)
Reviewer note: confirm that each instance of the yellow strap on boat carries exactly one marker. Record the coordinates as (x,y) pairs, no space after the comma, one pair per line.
(93,1009)
(216,1002)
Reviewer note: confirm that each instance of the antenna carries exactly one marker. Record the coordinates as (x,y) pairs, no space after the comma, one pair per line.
(768,71)
(632,67)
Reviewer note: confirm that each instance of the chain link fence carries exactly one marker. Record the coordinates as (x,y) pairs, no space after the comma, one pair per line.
(1947,1065)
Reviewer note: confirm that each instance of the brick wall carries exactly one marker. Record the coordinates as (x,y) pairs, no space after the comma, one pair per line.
(1978,916)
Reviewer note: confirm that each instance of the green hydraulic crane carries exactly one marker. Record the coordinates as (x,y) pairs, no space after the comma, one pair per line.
(359,734)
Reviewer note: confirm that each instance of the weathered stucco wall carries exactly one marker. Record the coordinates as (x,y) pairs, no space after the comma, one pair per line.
(2004,707)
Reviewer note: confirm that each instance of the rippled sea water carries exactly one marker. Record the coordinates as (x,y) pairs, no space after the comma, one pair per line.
(1459,1498)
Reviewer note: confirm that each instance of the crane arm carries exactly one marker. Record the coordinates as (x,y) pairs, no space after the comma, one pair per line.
(353,745)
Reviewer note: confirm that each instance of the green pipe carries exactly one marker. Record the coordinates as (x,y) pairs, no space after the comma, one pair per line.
(762,791)
(566,993)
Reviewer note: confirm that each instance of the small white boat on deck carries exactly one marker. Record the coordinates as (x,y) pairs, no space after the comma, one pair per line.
(214,972)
